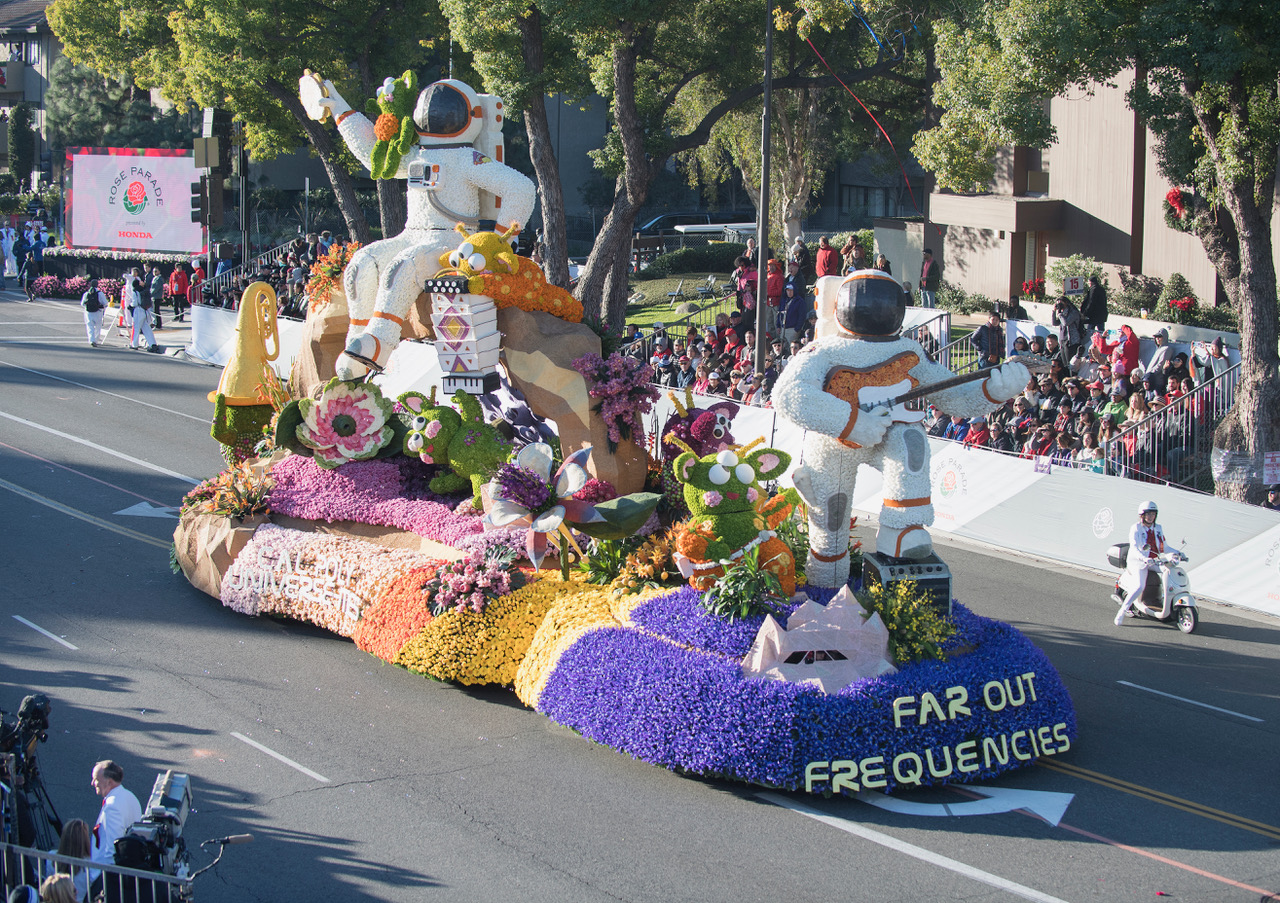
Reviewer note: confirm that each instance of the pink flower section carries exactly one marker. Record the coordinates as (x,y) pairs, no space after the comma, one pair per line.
(364,491)
(711,498)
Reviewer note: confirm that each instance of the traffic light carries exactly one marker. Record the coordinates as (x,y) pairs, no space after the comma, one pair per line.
(199,210)
(217,124)
(206,201)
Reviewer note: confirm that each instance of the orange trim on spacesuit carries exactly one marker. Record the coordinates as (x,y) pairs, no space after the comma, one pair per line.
(988,394)
(897,549)
(827,558)
(385,316)
(340,119)
(908,503)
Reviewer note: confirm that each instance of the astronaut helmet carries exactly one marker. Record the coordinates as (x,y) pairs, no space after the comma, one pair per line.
(870,305)
(448,112)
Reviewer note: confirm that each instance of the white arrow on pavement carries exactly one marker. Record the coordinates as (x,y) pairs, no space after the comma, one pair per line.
(145,509)
(1049,806)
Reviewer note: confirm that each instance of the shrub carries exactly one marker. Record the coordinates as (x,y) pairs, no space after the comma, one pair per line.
(746,590)
(75,287)
(1176,287)
(717,257)
(1076,265)
(957,300)
(1137,292)
(111,288)
(47,287)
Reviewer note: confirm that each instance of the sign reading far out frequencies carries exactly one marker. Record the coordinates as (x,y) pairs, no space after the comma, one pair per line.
(131,199)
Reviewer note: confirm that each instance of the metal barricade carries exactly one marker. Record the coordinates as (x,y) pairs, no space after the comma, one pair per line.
(20,865)
(1172,445)
(961,355)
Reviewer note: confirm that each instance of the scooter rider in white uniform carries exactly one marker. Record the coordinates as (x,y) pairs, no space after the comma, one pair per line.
(1146,542)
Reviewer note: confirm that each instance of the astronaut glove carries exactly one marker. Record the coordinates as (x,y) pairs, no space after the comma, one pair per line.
(870,426)
(1006,381)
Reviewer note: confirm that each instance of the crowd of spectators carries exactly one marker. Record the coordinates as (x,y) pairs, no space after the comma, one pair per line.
(287,275)
(1092,407)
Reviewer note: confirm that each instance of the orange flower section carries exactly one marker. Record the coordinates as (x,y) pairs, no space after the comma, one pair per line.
(387,127)
(527,288)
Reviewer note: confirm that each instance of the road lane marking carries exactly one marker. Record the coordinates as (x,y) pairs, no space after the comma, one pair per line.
(1166,799)
(101,448)
(1264,894)
(901,846)
(80,473)
(275,755)
(38,629)
(83,515)
(72,382)
(1203,705)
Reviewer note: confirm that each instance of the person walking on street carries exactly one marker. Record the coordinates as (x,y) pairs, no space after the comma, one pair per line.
(94,302)
(930,280)
(140,311)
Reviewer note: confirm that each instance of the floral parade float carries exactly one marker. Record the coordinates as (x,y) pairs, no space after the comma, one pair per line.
(705,640)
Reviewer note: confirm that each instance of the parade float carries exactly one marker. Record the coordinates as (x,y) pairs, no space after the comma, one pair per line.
(694,607)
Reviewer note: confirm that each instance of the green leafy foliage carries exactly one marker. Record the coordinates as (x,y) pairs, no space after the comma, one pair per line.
(623,516)
(711,258)
(916,631)
(1056,273)
(957,300)
(22,142)
(746,590)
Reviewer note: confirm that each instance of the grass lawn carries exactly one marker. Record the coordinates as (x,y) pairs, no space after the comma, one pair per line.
(656,308)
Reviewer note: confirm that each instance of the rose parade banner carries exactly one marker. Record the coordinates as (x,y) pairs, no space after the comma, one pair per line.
(131,199)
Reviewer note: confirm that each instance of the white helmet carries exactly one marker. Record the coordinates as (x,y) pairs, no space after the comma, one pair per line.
(448,112)
(1148,506)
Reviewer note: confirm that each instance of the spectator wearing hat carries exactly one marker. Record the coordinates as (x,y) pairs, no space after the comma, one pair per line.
(979,434)
(715,385)
(795,306)
(1041,442)
(957,429)
(1162,353)
(1036,346)
(1074,393)
(754,394)
(1097,396)
(744,278)
(1118,405)
(1209,362)
(930,279)
(800,258)
(685,375)
(1272,502)
(1050,395)
(1065,421)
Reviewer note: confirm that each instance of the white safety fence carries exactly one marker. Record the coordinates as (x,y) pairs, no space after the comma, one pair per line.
(1061,513)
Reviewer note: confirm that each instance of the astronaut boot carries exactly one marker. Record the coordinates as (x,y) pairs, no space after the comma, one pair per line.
(907,542)
(368,351)
(830,571)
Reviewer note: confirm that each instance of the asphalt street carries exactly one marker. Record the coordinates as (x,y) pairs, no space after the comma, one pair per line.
(361,781)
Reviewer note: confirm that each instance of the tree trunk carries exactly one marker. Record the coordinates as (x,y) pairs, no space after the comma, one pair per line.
(393,205)
(1239,244)
(542,153)
(603,280)
(322,140)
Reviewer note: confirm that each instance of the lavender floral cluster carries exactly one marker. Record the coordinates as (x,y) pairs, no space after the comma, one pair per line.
(689,710)
(624,388)
(523,487)
(502,539)
(368,492)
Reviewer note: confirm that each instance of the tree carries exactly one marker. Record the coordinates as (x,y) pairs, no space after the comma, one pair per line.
(22,143)
(83,108)
(247,57)
(1206,86)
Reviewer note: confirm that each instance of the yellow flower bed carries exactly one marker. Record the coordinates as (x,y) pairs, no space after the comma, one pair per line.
(484,648)
(578,609)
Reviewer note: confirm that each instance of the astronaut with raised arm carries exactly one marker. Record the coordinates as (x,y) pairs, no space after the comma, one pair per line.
(455,174)
(840,388)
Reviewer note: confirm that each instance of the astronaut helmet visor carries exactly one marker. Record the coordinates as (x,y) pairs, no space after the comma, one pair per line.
(443,111)
(870,304)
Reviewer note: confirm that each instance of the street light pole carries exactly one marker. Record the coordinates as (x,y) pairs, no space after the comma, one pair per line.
(762,217)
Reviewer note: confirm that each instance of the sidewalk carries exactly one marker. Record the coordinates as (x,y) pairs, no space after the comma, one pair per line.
(173,337)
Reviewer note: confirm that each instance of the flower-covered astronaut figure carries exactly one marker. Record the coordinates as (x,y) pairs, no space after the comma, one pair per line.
(837,388)
(453,178)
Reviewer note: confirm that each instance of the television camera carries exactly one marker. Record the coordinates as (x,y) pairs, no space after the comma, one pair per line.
(27,815)
(155,842)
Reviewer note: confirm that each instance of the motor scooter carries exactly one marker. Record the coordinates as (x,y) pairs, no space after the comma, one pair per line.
(1167,595)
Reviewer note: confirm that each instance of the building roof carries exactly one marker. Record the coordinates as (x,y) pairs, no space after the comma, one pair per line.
(22,15)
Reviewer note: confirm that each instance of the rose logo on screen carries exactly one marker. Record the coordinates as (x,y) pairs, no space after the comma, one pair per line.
(135,198)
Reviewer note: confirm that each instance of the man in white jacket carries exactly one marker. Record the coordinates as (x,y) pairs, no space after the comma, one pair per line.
(1146,542)
(120,809)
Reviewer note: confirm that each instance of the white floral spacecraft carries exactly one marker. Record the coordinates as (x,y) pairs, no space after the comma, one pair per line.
(828,646)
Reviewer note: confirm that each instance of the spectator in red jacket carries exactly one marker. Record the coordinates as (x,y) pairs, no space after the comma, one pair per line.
(774,283)
(1123,351)
(178,285)
(828,261)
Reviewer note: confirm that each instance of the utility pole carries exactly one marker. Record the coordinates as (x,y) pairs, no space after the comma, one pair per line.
(762,220)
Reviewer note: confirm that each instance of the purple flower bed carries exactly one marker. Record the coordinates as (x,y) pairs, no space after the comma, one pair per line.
(678,616)
(369,492)
(693,711)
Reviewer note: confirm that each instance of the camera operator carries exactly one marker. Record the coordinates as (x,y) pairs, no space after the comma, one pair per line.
(120,809)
